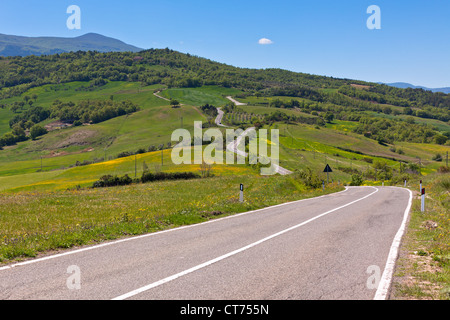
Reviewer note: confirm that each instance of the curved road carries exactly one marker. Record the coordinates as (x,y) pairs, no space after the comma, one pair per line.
(219,118)
(233,147)
(330,247)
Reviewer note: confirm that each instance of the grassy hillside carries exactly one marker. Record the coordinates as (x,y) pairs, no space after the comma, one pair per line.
(303,145)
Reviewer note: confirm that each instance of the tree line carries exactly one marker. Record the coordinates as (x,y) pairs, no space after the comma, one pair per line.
(175,69)
(89,111)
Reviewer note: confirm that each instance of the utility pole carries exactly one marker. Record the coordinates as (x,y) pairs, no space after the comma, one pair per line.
(135,166)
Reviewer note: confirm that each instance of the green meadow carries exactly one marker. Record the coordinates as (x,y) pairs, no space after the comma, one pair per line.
(35,222)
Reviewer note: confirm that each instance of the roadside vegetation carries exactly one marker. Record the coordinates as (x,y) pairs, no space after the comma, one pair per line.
(36,222)
(423,269)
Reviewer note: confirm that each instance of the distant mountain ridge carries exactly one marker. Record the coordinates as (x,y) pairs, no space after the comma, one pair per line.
(404,85)
(11,45)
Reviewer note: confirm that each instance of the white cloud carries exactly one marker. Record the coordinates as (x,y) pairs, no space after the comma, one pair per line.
(265,41)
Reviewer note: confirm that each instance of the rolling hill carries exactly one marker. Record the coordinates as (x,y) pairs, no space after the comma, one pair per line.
(346,121)
(11,45)
(405,85)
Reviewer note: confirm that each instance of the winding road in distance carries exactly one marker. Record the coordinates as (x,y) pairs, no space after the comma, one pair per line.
(337,246)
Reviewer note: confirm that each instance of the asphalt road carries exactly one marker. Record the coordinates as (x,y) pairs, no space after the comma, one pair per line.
(319,248)
(234,147)
(219,118)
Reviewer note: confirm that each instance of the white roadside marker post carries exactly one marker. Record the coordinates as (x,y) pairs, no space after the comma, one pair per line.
(423,200)
(241,194)
(420,190)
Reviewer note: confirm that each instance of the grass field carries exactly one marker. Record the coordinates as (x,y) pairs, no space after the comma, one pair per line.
(34,222)
(84,176)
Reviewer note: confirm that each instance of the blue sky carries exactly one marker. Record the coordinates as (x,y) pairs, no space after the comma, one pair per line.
(325,37)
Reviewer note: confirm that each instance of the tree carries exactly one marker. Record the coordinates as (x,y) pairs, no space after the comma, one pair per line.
(18,131)
(37,131)
(329,117)
(174,103)
(440,139)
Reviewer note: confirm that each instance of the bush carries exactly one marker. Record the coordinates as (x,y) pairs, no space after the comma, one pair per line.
(125,154)
(357,180)
(160,176)
(440,139)
(37,131)
(112,181)
(309,178)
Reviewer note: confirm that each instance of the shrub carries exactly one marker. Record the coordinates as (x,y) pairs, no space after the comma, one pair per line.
(159,176)
(309,178)
(349,170)
(112,181)
(357,180)
(125,154)
(37,130)
(440,139)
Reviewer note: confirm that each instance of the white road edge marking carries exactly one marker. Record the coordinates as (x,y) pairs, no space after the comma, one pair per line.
(210,262)
(386,278)
(106,244)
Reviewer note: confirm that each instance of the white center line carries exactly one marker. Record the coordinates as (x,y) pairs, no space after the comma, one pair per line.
(225,256)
